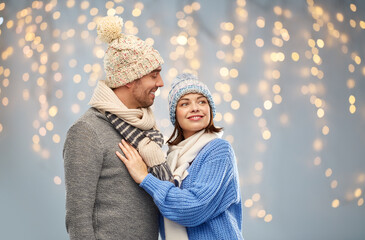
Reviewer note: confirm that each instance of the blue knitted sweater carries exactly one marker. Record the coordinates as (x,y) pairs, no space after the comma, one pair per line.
(208,203)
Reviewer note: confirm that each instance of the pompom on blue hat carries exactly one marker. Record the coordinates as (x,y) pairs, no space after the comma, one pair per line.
(183,84)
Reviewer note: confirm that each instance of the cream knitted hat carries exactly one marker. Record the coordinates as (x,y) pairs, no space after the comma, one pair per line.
(128,57)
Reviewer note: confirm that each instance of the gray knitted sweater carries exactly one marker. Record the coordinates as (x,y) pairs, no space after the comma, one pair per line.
(102,200)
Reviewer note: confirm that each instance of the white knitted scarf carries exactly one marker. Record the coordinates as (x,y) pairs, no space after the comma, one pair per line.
(179,158)
(105,100)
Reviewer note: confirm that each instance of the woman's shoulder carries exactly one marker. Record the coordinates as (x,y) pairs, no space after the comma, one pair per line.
(217,147)
(219,144)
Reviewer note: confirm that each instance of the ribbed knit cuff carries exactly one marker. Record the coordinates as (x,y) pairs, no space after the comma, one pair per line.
(155,187)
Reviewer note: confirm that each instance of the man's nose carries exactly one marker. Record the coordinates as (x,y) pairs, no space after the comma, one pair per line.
(159,82)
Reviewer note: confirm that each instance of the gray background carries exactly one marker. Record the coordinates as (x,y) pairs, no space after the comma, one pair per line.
(293,190)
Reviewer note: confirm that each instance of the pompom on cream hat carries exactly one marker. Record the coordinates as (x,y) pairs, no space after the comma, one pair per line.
(128,57)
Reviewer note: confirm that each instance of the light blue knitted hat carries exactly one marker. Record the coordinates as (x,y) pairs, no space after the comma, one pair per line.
(183,84)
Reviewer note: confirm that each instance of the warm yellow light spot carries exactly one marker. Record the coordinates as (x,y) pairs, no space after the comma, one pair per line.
(351,68)
(360,202)
(267,104)
(320,113)
(278,10)
(339,17)
(352,109)
(268,218)
(59,94)
(317,59)
(182,40)
(42,131)
(259,42)
(257,112)
(260,22)
(276,89)
(352,99)
(35,139)
(243,89)
(259,166)
(277,42)
(188,9)
(353,7)
(276,74)
(2,6)
(195,64)
(227,97)
(317,161)
(53,111)
(5,101)
(352,23)
(10,24)
(357,192)
(75,108)
(57,180)
(317,145)
(56,15)
(350,83)
(49,126)
(220,55)
(318,102)
(224,72)
(195,6)
(256,197)
(278,25)
(56,138)
(235,105)
(218,117)
(357,60)
(311,43)
(233,73)
(226,39)
(328,172)
(136,12)
(295,56)
(334,184)
(325,130)
(248,203)
(261,213)
(266,135)
(320,43)
(335,203)
(228,118)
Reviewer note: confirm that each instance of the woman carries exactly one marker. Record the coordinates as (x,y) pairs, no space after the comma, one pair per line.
(205,201)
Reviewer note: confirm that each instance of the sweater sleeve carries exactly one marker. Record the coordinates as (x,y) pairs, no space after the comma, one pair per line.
(212,191)
(82,162)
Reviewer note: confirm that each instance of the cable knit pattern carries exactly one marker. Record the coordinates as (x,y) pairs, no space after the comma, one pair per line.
(208,203)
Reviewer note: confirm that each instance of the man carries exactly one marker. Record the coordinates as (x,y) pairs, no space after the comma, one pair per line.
(102,200)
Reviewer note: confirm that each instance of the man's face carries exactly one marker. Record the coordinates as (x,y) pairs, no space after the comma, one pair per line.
(143,89)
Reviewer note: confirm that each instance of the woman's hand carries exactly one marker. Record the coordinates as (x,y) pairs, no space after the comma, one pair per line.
(133,161)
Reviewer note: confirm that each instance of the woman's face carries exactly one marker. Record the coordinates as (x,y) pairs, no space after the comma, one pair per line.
(192,113)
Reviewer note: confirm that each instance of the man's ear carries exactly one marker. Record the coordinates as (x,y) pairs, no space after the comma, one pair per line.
(129,85)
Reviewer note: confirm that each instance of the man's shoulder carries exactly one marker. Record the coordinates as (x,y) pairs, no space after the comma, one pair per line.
(91,120)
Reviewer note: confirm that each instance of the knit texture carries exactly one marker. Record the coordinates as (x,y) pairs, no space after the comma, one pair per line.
(148,143)
(128,57)
(208,203)
(102,200)
(183,84)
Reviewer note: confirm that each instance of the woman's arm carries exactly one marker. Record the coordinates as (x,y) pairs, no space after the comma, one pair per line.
(213,190)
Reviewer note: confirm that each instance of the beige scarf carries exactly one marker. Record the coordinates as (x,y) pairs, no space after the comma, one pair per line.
(105,100)
(179,158)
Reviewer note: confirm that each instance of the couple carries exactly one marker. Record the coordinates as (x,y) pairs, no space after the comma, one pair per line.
(193,194)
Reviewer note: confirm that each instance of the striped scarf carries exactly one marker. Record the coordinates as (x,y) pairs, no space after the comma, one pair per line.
(144,141)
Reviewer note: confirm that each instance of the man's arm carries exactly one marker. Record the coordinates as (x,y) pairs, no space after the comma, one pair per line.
(83,160)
